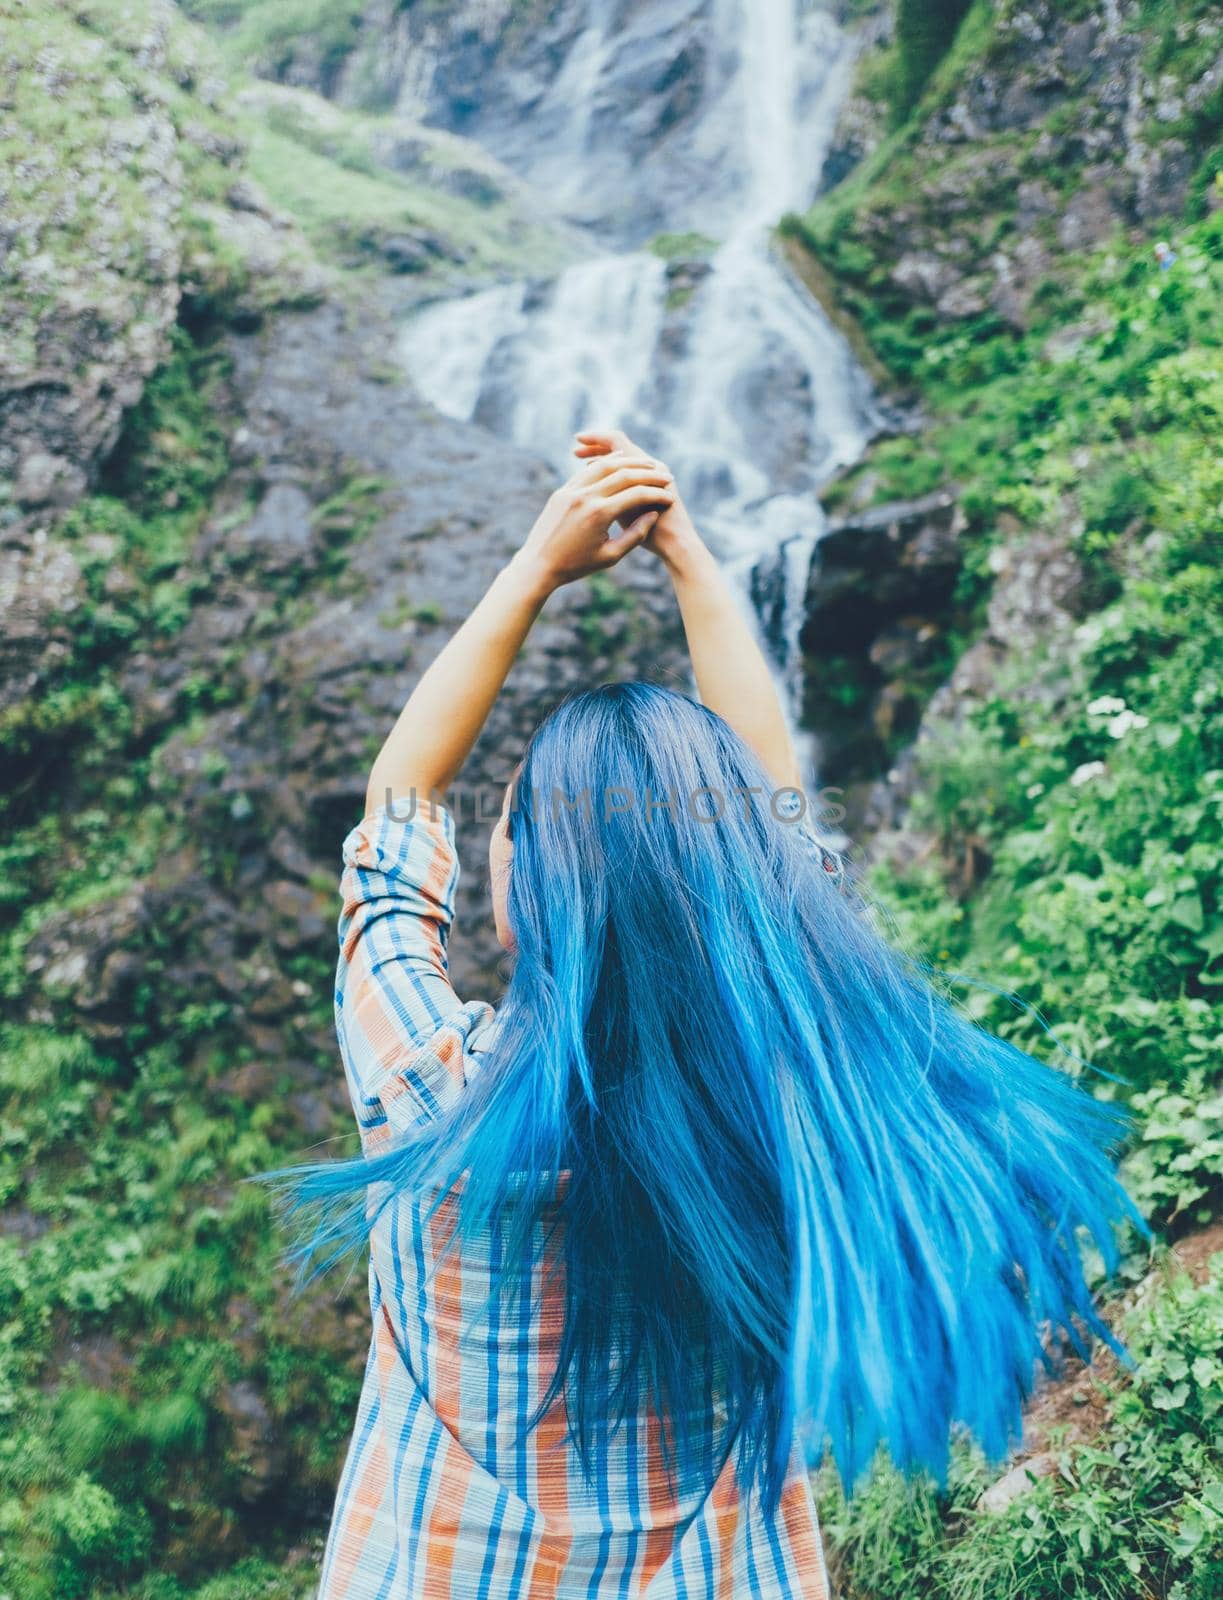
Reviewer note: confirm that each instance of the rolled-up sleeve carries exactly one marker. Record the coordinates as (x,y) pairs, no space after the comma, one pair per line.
(400,1025)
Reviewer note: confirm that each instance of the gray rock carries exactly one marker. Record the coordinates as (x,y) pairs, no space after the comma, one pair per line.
(1015,1483)
(48,480)
(1030,618)
(279,534)
(1048,95)
(94,285)
(884,560)
(255,1439)
(40,587)
(879,600)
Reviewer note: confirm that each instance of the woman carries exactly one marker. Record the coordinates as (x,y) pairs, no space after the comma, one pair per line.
(724,1183)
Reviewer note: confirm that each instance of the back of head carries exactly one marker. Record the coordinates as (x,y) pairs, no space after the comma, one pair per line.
(652,899)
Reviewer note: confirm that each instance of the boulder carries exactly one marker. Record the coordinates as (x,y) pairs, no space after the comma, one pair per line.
(880,597)
(877,565)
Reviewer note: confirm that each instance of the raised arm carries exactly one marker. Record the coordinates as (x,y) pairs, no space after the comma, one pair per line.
(448,707)
(732,675)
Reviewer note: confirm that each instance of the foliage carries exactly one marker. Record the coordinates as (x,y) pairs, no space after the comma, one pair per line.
(270,35)
(1175,1171)
(140,1301)
(318,164)
(1135,1510)
(130,541)
(1097,799)
(682,246)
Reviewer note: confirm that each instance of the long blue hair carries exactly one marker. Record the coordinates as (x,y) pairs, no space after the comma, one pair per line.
(797,1176)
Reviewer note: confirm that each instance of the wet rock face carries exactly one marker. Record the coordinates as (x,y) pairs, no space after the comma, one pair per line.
(861,124)
(508,75)
(880,599)
(1034,606)
(355,533)
(77,361)
(540,81)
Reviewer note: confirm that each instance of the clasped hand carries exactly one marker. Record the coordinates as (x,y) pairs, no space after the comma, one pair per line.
(576,533)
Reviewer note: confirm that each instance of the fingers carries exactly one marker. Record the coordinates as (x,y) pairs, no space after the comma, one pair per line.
(602,441)
(642,524)
(636,533)
(638,497)
(625,477)
(607,465)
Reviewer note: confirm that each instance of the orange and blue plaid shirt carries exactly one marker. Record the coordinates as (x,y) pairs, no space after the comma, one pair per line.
(444,1495)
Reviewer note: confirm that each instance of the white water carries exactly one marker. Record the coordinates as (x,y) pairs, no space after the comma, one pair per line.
(749,393)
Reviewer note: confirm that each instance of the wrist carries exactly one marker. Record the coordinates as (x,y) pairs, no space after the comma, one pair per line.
(687,557)
(530,577)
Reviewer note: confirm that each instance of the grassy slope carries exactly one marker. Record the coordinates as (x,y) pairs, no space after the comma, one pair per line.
(1096,800)
(318,162)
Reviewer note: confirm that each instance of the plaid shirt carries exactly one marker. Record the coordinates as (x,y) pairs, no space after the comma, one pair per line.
(443,1495)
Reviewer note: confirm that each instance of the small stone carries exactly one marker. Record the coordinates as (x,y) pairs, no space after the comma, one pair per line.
(48,480)
(1018,1481)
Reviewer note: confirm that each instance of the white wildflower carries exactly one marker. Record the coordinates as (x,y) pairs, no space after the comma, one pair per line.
(1034,790)
(1107,705)
(1123,722)
(1088,771)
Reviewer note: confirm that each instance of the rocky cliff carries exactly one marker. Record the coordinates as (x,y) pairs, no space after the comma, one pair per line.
(527,79)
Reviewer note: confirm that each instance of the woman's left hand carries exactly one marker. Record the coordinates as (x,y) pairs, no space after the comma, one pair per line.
(573,534)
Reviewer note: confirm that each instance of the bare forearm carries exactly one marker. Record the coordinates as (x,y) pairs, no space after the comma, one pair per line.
(732,675)
(442,720)
(445,713)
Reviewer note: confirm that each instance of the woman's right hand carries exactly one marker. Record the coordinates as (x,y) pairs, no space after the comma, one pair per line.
(573,534)
(673,534)
(732,675)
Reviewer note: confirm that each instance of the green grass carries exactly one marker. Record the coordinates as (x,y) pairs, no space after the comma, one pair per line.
(683,246)
(268,35)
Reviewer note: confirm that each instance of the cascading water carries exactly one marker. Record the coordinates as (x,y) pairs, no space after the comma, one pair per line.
(745,389)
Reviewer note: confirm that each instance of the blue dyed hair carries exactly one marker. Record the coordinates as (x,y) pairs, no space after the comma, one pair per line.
(798,1176)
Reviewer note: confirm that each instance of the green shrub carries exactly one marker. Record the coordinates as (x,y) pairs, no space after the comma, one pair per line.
(1133,1511)
(1175,1170)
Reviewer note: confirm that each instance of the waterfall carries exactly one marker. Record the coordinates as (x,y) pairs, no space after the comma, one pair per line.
(746,390)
